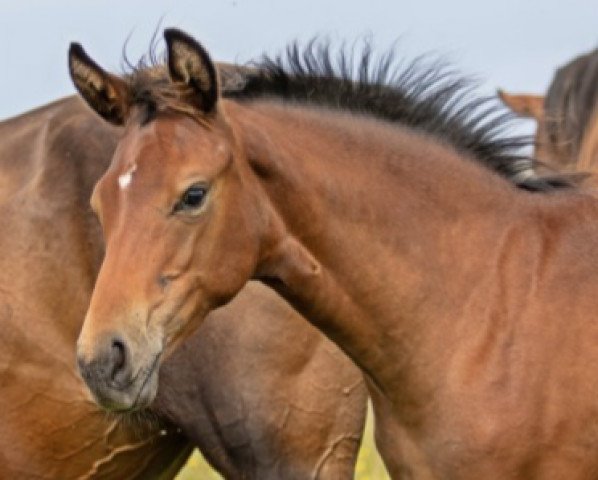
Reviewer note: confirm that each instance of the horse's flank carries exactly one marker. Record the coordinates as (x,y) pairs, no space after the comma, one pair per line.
(52,250)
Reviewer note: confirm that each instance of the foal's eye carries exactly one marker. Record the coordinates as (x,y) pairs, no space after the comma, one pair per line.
(192,198)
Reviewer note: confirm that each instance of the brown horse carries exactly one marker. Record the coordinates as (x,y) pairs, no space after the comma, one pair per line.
(567,117)
(258,390)
(468,303)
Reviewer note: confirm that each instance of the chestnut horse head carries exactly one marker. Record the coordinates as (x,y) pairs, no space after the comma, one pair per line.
(179,218)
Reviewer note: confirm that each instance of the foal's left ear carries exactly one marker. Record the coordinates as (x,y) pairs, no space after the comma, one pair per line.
(190,64)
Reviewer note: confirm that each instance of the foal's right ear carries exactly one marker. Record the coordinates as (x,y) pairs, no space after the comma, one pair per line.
(529,106)
(105,93)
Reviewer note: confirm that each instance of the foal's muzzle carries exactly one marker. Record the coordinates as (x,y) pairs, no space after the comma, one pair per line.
(110,375)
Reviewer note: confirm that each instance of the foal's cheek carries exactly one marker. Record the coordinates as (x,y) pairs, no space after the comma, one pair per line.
(183,321)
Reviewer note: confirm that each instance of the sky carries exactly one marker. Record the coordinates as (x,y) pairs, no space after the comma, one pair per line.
(513,44)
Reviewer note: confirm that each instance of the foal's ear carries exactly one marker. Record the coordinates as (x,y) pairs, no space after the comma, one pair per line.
(105,93)
(190,64)
(530,106)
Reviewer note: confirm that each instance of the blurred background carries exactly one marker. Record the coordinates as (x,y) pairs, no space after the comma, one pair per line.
(512,44)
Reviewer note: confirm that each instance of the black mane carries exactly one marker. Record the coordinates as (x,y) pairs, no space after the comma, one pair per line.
(426,97)
(429,98)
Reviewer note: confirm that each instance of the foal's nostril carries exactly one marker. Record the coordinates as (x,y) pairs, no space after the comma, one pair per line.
(163,281)
(119,358)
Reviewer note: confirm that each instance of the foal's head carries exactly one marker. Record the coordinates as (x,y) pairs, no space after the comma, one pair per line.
(176,211)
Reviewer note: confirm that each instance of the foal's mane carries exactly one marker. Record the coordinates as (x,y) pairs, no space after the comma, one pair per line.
(428,97)
(571,100)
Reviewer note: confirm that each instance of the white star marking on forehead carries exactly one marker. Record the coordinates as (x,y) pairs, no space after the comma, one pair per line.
(125,179)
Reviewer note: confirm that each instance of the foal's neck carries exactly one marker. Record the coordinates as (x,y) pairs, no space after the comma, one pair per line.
(384,213)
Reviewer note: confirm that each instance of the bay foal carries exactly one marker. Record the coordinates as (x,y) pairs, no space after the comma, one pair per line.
(468,303)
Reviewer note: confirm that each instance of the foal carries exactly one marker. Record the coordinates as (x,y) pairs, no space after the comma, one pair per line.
(466,302)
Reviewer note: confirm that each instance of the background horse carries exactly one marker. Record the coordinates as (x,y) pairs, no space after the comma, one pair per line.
(258,390)
(467,302)
(567,116)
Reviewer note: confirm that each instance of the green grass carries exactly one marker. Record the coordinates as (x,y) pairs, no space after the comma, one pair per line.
(369,464)
(197,469)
